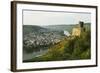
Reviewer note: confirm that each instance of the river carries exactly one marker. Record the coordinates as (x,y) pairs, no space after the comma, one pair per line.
(27,56)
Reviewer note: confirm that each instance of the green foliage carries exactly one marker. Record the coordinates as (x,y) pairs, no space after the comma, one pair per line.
(79,47)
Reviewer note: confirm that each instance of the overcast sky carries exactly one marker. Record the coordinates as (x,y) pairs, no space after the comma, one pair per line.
(54,18)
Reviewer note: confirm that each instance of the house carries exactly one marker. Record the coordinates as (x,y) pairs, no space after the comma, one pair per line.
(66,33)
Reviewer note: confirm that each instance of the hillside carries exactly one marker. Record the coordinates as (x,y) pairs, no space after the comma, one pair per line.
(69,48)
(60,27)
(65,27)
(32,28)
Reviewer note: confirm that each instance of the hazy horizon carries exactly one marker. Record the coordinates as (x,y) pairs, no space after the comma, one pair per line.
(43,18)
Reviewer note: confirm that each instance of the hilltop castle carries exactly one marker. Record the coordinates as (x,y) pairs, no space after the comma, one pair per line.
(76,31)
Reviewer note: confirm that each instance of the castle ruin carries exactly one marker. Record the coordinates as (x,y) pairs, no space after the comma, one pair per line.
(76,31)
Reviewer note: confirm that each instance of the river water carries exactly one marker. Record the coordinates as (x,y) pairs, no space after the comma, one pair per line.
(27,56)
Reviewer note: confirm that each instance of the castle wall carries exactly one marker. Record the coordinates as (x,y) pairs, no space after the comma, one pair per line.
(76,31)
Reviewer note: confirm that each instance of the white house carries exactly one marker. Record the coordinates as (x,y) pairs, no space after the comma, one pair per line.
(66,33)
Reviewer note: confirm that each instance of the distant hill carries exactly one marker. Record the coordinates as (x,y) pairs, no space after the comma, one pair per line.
(32,28)
(65,27)
(60,27)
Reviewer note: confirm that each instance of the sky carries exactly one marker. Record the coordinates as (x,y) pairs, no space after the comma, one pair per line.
(44,18)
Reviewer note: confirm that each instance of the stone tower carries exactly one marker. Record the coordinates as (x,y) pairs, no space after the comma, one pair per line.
(76,31)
